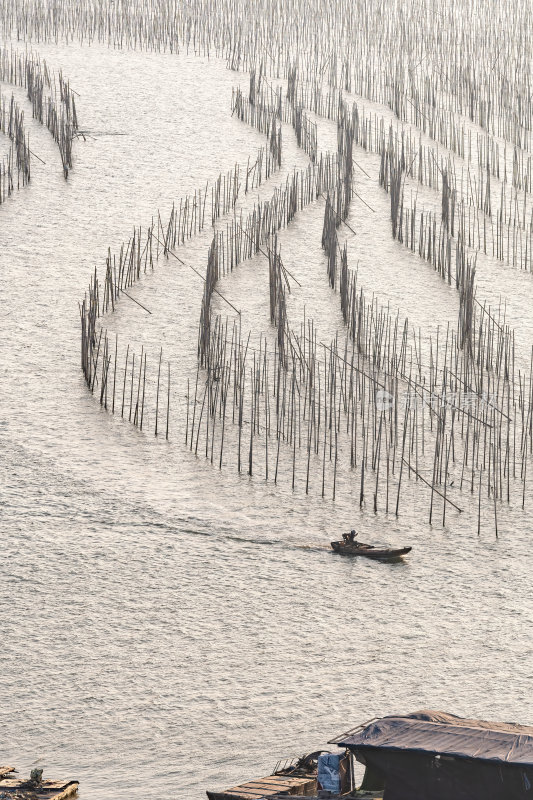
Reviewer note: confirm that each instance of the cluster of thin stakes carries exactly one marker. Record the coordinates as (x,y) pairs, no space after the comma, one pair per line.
(53,104)
(381,411)
(15,169)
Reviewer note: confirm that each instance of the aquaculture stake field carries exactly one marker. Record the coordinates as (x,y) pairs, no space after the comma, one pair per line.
(267,276)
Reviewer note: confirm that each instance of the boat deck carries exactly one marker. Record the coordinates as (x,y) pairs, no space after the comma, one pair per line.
(268,787)
(48,790)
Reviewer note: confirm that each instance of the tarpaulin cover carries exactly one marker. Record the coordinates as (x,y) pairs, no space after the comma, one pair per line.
(436,732)
(329,772)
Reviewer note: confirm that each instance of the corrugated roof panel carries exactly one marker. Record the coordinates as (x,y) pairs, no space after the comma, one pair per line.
(438,732)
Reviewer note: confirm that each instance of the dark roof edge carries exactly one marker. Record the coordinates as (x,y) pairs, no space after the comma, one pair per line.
(428,752)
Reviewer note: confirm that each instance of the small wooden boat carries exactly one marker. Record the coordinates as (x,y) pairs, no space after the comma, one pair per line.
(354,548)
(293,777)
(32,789)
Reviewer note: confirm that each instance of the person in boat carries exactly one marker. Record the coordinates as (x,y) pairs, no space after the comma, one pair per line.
(349,538)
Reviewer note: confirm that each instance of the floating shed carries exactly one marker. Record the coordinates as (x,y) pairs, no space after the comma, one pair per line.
(432,754)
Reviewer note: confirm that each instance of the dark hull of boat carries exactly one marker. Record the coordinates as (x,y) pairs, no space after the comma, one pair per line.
(377,553)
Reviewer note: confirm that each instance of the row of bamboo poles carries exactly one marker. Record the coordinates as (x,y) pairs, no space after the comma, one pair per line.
(505,232)
(246,237)
(263,113)
(463,346)
(465,418)
(139,254)
(366,409)
(471,389)
(363,405)
(509,163)
(15,169)
(462,341)
(52,99)
(476,227)
(431,61)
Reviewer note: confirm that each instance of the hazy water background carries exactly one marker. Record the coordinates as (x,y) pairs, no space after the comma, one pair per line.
(168,627)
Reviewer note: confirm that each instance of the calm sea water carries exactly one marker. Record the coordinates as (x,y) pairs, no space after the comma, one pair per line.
(167,627)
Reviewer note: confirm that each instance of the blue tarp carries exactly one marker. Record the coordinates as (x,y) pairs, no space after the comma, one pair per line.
(329,772)
(436,732)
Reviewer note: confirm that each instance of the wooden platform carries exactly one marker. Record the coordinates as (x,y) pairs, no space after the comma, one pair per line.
(48,790)
(267,787)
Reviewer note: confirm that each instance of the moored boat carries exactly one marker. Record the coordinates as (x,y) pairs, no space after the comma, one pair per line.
(34,788)
(409,757)
(353,548)
(293,777)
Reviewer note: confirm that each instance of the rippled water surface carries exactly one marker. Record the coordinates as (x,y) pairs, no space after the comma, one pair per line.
(168,627)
